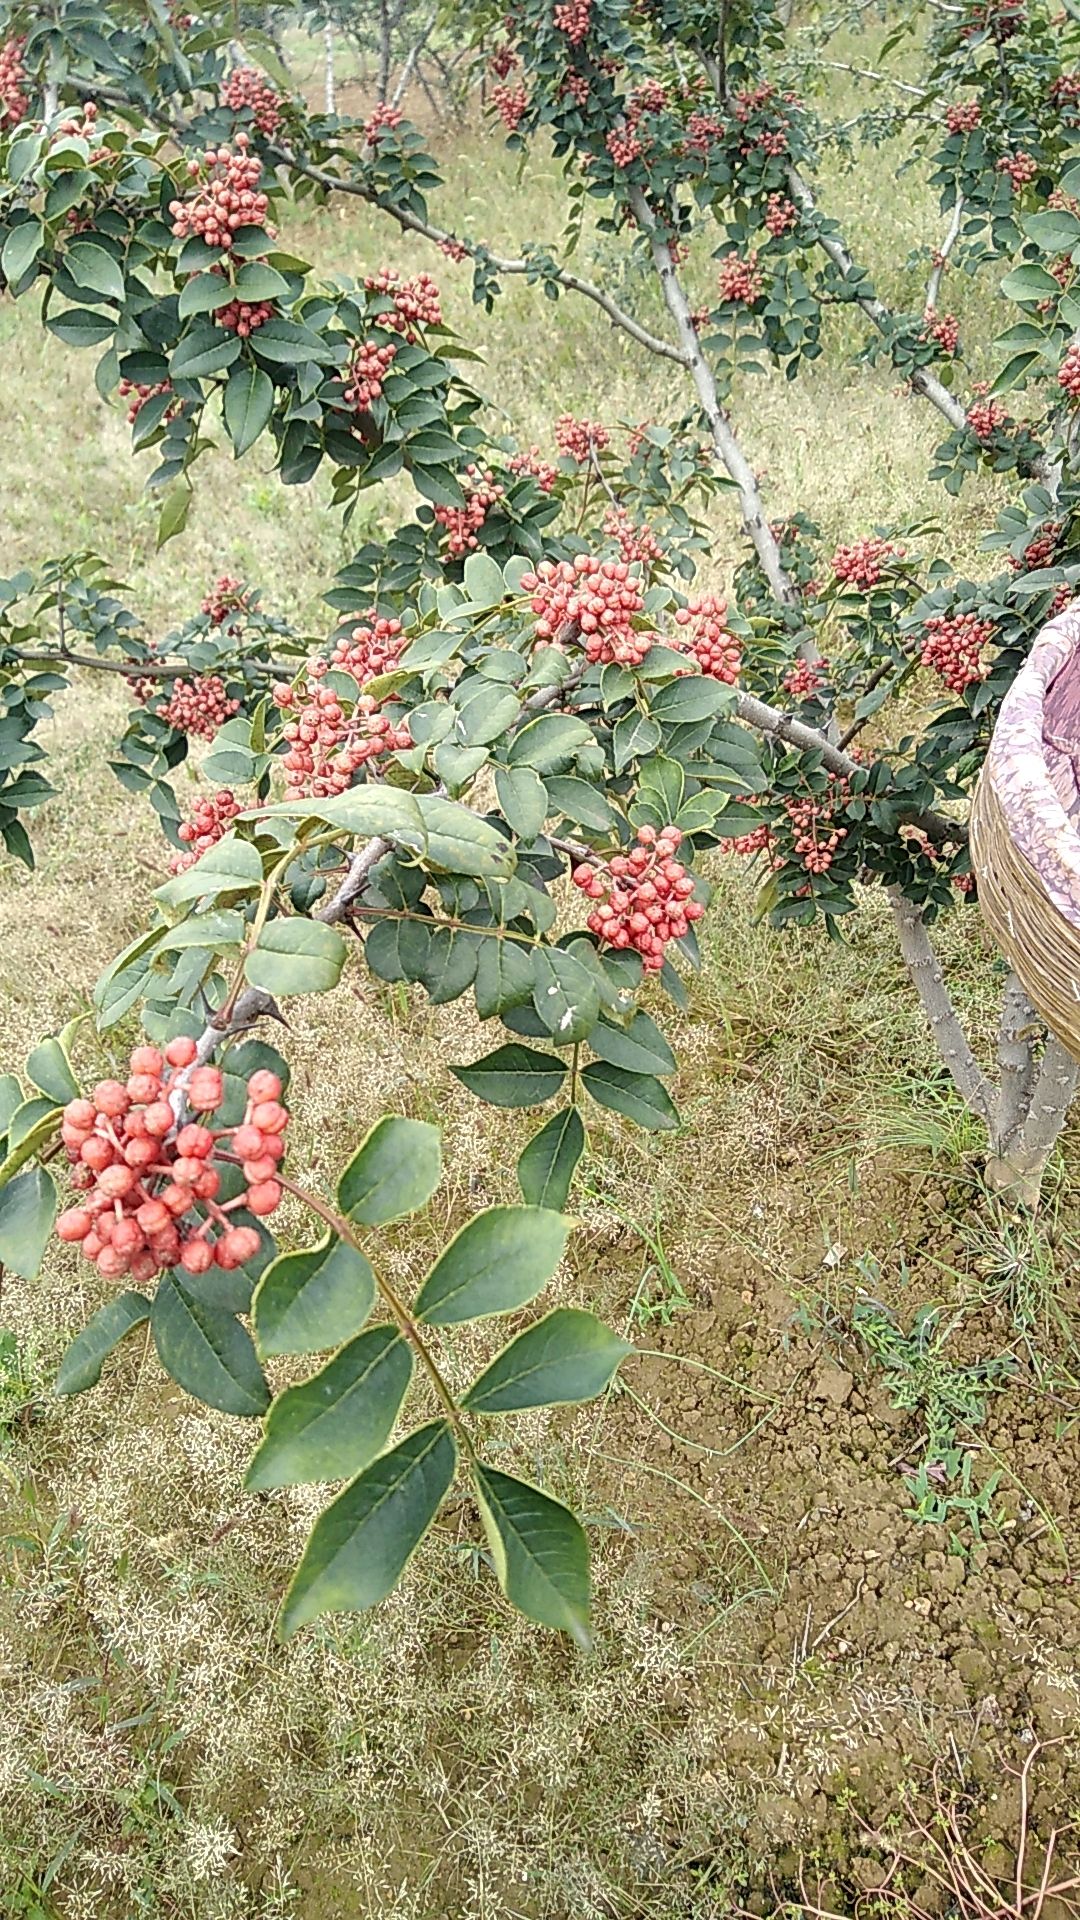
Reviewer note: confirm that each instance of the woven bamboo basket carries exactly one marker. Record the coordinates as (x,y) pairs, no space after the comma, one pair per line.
(1041,945)
(1025,827)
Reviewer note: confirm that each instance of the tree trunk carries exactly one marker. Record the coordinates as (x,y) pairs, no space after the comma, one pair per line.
(329,74)
(383,84)
(1016,1169)
(929,982)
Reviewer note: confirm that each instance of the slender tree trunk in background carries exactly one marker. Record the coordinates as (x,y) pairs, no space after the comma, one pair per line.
(329,75)
(383,85)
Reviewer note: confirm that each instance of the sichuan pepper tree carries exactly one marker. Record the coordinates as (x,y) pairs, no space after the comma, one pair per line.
(526,702)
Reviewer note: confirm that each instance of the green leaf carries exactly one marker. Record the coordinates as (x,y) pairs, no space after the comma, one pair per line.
(504,977)
(1012,373)
(523,800)
(206,1351)
(394,1171)
(50,1069)
(27,1212)
(257,281)
(313,1299)
(484,584)
(1030,283)
(203,293)
(90,266)
(21,249)
(77,327)
(174,512)
(458,841)
(248,404)
(540,1552)
(581,802)
(296,956)
(222,927)
(565,994)
(546,1167)
(513,1076)
(635,1095)
(635,737)
(332,1425)
(233,866)
(640,1047)
(11,1098)
(567,1357)
(550,743)
(695,697)
(365,811)
(361,1545)
(498,1261)
(205,349)
(83,1360)
(1056,231)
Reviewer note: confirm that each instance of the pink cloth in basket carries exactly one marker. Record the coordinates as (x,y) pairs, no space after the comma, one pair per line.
(1034,760)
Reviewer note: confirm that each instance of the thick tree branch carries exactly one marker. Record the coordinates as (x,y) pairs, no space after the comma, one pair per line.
(928,980)
(1054,1092)
(728,450)
(412,223)
(1018,1035)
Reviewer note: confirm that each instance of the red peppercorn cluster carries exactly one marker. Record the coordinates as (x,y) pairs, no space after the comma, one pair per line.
(532,461)
(780,215)
(247,88)
(199,707)
(503,61)
(14,97)
(579,439)
(327,746)
(383,120)
(368,368)
(1063,202)
(244,316)
(985,417)
(416,302)
(84,129)
(454,250)
(953,648)
(1063,598)
(861,563)
(624,145)
(806,678)
(645,896)
(636,542)
(462,525)
(713,645)
(1001,18)
(511,104)
(225,596)
(227,196)
(635,437)
(1069,372)
(739,281)
(944,331)
(963,117)
(703,130)
(1040,551)
(209,823)
(1066,89)
(1021,167)
(576,87)
(143,1181)
(591,599)
(144,392)
(572,18)
(370,650)
(816,839)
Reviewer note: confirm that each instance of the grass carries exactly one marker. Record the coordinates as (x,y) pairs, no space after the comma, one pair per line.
(159,1755)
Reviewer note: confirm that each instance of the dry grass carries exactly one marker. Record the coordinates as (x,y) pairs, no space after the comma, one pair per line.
(158,1754)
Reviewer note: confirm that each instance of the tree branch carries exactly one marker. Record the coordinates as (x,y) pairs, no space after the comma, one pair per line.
(412,223)
(933,285)
(728,450)
(928,980)
(1018,1034)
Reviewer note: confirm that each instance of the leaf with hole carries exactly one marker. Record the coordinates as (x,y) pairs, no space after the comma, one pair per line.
(540,1552)
(360,1546)
(567,1357)
(393,1172)
(565,994)
(333,1424)
(498,1261)
(313,1298)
